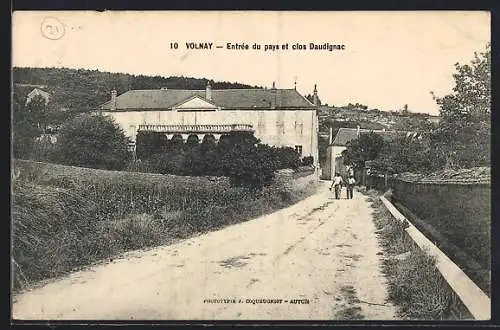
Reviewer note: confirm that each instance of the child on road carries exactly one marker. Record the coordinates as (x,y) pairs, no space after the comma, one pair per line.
(337,185)
(350,186)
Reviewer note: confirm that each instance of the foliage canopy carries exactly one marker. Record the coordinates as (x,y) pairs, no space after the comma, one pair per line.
(93,141)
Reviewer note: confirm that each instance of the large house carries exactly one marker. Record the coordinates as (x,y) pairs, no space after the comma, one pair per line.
(278,117)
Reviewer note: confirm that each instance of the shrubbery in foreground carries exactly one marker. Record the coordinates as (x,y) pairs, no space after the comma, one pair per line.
(92,141)
(241,157)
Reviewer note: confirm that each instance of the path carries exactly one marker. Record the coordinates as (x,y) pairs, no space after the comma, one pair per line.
(320,250)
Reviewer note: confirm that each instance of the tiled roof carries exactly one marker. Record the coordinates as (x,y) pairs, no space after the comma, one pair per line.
(39,91)
(225,98)
(344,135)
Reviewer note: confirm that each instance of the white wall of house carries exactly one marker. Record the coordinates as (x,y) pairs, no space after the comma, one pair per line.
(273,127)
(334,153)
(337,153)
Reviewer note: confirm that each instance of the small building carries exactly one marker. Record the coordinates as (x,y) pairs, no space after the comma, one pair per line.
(38,92)
(334,159)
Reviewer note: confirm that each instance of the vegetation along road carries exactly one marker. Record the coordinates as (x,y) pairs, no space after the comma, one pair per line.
(318,259)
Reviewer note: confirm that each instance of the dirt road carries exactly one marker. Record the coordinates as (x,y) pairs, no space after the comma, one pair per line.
(319,257)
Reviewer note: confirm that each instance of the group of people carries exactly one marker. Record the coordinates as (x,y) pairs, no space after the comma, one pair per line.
(338,182)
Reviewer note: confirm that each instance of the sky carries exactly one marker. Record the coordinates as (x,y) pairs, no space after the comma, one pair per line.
(389,58)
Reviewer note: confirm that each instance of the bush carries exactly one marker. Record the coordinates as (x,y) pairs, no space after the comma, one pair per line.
(408,154)
(23,138)
(366,148)
(248,163)
(287,157)
(92,141)
(307,161)
(201,160)
(168,163)
(149,144)
(239,156)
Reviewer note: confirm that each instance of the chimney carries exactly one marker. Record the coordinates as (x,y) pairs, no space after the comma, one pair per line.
(273,96)
(208,92)
(113,99)
(330,136)
(357,131)
(315,96)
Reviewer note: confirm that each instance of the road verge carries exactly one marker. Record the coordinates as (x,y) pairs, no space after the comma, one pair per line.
(415,285)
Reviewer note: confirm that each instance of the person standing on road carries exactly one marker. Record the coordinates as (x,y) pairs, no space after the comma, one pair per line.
(350,186)
(337,185)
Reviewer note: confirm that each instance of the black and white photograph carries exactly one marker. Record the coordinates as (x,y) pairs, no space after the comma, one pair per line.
(250,165)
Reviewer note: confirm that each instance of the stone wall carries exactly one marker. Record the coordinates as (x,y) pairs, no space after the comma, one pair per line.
(295,181)
(456,203)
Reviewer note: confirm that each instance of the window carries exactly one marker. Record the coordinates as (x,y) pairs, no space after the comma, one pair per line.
(299,127)
(280,123)
(261,122)
(299,150)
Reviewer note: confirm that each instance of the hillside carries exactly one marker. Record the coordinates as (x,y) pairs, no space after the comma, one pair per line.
(83,90)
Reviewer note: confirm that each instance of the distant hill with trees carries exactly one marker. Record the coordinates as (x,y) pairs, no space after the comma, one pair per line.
(82,90)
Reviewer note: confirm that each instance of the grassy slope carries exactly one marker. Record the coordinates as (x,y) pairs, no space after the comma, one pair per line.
(67,217)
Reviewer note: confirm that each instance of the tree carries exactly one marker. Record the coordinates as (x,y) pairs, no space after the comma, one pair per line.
(92,141)
(406,153)
(246,161)
(307,161)
(24,131)
(37,111)
(210,161)
(366,147)
(357,106)
(463,135)
(172,161)
(150,143)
